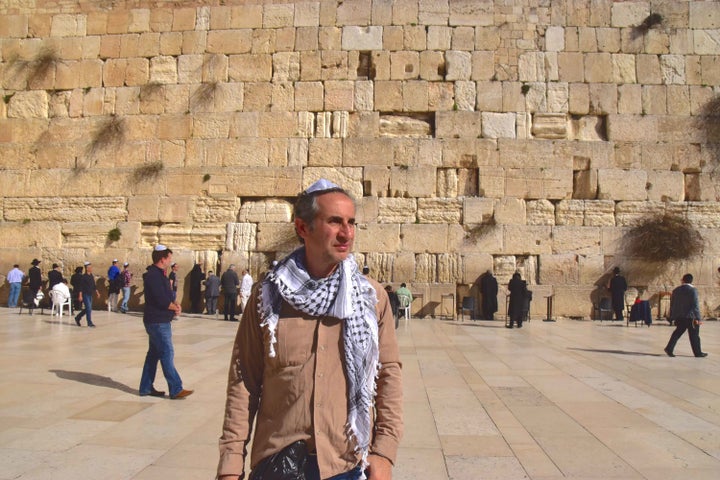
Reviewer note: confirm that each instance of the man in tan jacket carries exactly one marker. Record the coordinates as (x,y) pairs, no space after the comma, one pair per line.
(316,358)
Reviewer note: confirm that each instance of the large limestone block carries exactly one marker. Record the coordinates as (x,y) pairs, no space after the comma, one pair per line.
(425,270)
(574,301)
(424,238)
(28,104)
(241,237)
(632,128)
(215,209)
(491,182)
(381,266)
(177,208)
(701,214)
(527,240)
(510,211)
(619,184)
(471,12)
(404,267)
(362,38)
(486,237)
(85,234)
(70,209)
(477,210)
(163,69)
(474,266)
(397,210)
(276,237)
(498,125)
(599,213)
(439,210)
(143,208)
(524,182)
(629,14)
(579,240)
(250,68)
(20,235)
(630,213)
(367,151)
(559,269)
(458,65)
(591,268)
(266,211)
(704,15)
(555,38)
(540,212)
(449,268)
(376,237)
(570,212)
(68,26)
(206,237)
(411,182)
(706,42)
(266,182)
(458,124)
(623,68)
(550,125)
(666,186)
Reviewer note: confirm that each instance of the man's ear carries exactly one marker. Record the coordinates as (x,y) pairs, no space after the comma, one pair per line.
(301,228)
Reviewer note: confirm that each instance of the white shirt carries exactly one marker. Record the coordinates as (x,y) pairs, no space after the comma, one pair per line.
(15,276)
(63,289)
(246,285)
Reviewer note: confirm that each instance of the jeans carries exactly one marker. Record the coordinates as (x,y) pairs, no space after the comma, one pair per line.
(211,303)
(229,308)
(87,308)
(14,294)
(160,348)
(126,297)
(112,302)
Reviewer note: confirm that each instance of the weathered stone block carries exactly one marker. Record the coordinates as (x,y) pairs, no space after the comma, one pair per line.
(559,269)
(576,239)
(412,182)
(21,235)
(620,185)
(163,70)
(477,210)
(397,210)
(527,240)
(510,211)
(29,104)
(362,38)
(550,125)
(381,238)
(265,211)
(540,212)
(88,209)
(629,14)
(498,125)
(424,238)
(439,210)
(273,237)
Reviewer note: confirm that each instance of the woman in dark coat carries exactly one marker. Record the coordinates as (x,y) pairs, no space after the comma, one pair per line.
(196,278)
(518,300)
(489,291)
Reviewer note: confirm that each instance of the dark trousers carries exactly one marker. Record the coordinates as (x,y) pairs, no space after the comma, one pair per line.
(229,307)
(693,332)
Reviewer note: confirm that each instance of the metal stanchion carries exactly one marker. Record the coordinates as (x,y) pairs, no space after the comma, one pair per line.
(549,309)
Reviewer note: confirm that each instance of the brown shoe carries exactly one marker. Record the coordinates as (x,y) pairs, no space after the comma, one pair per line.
(182,394)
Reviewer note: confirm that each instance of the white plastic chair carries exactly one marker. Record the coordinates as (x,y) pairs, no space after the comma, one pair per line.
(405,306)
(58,302)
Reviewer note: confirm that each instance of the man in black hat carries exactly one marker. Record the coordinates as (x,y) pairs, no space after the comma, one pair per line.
(35,279)
(54,276)
(88,289)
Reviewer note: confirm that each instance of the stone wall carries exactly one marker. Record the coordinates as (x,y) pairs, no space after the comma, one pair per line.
(476,135)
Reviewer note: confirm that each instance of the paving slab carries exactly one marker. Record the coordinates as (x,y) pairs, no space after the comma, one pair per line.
(553,400)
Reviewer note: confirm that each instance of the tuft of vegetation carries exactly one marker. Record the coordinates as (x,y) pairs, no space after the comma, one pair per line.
(150,89)
(110,134)
(650,21)
(475,232)
(708,123)
(206,177)
(204,95)
(525,89)
(148,172)
(7,98)
(114,235)
(663,238)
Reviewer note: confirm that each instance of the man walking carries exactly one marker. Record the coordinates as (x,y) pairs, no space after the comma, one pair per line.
(315,359)
(230,283)
(160,308)
(88,290)
(685,312)
(15,278)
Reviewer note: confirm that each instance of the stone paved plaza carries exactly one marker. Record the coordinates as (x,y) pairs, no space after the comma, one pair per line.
(571,399)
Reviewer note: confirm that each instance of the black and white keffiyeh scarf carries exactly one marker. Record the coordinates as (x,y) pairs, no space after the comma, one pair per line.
(345,294)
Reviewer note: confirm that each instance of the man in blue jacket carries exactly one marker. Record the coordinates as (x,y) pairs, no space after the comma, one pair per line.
(160,309)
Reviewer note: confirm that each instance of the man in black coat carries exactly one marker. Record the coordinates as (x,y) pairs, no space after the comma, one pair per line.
(54,276)
(196,278)
(230,283)
(88,290)
(685,312)
(617,286)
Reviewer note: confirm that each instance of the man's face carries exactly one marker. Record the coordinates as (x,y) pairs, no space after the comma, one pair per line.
(329,240)
(165,262)
(89,269)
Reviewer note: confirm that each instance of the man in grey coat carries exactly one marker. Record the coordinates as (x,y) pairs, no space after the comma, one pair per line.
(212,292)
(230,283)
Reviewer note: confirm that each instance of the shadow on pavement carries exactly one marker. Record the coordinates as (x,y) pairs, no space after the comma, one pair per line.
(621,352)
(93,379)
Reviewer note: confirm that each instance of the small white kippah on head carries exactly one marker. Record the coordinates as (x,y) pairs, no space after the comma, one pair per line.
(160,248)
(320,185)
(87,263)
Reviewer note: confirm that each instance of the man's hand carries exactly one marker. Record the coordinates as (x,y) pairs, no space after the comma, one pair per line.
(380,468)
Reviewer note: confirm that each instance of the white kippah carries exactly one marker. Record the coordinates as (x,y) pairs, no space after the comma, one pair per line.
(320,185)
(87,263)
(160,248)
